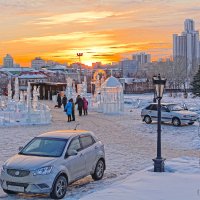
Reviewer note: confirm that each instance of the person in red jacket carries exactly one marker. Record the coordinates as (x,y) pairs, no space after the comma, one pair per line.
(85,106)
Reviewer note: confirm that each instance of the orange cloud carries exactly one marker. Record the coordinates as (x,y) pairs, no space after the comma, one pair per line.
(81,17)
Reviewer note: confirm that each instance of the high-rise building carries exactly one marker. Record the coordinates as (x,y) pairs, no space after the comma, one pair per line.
(128,67)
(8,61)
(142,58)
(37,63)
(189,25)
(186,47)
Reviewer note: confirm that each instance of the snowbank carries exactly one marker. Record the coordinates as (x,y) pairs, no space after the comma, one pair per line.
(179,182)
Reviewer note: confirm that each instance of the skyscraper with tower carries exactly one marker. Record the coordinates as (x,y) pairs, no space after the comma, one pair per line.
(186,47)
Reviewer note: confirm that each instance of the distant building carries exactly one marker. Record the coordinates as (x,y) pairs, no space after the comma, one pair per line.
(75,66)
(135,85)
(16,65)
(33,77)
(58,68)
(55,76)
(186,47)
(15,70)
(142,58)
(96,65)
(4,77)
(128,67)
(38,63)
(51,63)
(160,60)
(8,61)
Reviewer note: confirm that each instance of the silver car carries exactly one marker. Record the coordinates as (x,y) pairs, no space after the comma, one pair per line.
(170,112)
(51,161)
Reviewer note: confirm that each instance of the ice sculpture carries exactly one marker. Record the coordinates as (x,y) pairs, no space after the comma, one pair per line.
(21,112)
(109,96)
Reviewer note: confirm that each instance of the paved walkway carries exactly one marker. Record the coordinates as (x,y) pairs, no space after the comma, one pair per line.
(127,149)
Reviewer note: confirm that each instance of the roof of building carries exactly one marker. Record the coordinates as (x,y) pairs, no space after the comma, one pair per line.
(49,83)
(20,69)
(134,80)
(57,67)
(32,76)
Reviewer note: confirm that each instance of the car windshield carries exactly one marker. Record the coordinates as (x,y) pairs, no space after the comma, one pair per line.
(47,147)
(175,107)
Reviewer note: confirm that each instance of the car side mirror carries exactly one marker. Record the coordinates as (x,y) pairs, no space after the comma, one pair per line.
(20,148)
(72,152)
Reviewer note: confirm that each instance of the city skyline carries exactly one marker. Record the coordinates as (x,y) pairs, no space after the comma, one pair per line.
(104,31)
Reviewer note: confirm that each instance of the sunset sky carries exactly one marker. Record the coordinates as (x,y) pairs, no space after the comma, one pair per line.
(104,30)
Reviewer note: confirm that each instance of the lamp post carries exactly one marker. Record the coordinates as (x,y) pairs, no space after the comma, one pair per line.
(154,96)
(80,73)
(159,85)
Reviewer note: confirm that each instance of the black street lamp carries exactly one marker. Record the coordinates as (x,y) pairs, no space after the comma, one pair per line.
(159,84)
(80,73)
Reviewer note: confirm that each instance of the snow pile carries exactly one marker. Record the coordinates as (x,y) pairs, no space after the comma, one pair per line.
(179,182)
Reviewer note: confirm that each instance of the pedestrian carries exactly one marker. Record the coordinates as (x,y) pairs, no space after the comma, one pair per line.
(79,102)
(73,109)
(59,100)
(85,106)
(68,110)
(64,101)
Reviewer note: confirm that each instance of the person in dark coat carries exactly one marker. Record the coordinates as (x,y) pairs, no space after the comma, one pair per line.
(64,101)
(79,102)
(85,106)
(68,110)
(73,109)
(59,100)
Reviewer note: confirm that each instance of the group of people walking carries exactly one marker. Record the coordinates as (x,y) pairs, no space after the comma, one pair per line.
(69,106)
(82,105)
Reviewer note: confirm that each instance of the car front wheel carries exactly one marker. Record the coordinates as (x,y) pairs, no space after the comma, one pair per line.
(147,119)
(99,170)
(59,188)
(176,121)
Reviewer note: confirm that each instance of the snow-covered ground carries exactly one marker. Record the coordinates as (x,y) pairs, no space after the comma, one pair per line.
(130,144)
(179,182)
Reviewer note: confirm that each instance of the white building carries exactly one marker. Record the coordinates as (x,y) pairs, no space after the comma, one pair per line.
(8,61)
(142,58)
(37,63)
(186,47)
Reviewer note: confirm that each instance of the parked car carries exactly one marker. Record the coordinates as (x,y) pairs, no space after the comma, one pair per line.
(51,161)
(169,113)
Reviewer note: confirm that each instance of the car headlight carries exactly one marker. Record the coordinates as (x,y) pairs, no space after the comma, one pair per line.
(43,171)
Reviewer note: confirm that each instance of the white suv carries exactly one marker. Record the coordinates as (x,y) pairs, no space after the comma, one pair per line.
(169,113)
(51,161)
